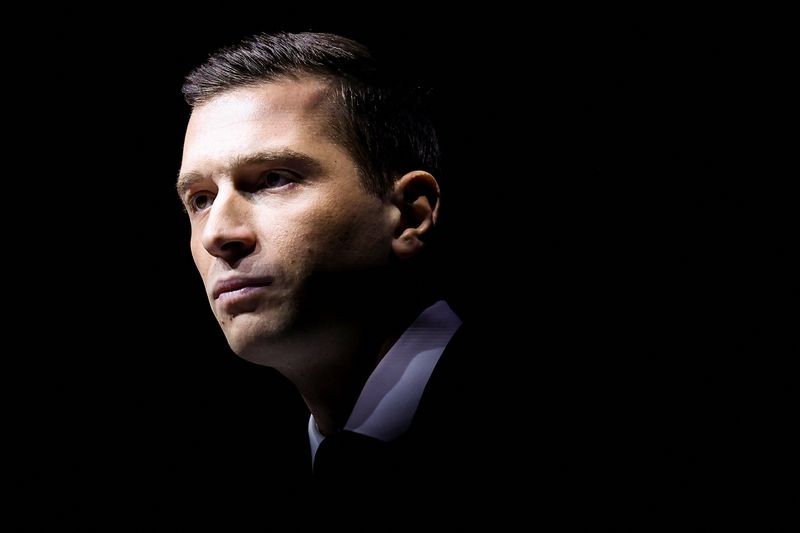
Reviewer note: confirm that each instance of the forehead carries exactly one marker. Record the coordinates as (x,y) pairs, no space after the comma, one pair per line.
(274,114)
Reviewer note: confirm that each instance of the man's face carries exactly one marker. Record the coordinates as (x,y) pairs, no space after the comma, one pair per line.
(277,211)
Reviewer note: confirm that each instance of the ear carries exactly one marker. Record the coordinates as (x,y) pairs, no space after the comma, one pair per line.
(416,195)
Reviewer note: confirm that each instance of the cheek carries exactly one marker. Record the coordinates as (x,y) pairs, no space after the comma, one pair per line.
(200,256)
(339,238)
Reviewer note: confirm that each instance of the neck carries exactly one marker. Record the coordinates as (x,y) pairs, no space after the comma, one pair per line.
(337,359)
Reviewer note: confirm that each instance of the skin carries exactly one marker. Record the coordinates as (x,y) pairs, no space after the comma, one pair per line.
(297,258)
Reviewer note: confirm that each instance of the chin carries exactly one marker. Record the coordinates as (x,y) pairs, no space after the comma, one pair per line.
(257,338)
(264,350)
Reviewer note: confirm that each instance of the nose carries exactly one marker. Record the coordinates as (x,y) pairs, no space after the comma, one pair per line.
(227,233)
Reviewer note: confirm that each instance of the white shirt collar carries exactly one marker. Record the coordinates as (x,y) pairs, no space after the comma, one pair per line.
(391,395)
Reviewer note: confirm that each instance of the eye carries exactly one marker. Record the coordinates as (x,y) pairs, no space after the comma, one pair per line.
(200,201)
(275,179)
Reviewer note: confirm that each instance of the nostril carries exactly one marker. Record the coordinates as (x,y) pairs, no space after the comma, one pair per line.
(232,251)
(232,246)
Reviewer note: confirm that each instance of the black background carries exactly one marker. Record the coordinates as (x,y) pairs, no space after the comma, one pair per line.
(614,213)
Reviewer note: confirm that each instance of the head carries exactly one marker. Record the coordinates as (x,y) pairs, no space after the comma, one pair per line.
(308,178)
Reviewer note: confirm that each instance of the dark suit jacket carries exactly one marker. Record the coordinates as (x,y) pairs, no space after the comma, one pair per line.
(445,470)
(509,431)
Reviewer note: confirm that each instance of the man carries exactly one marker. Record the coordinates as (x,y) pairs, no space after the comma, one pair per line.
(310,181)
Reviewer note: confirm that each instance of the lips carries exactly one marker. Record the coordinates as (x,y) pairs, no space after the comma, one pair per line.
(224,286)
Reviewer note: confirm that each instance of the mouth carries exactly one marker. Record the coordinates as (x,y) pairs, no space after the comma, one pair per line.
(238,287)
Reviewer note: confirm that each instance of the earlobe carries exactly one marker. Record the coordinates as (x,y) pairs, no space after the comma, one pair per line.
(416,195)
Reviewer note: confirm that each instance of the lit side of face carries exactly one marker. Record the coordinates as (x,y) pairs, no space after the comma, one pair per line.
(274,205)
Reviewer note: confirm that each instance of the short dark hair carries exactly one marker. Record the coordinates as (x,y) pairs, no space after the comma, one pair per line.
(380,122)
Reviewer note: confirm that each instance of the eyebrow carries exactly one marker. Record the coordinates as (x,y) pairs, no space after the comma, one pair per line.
(300,161)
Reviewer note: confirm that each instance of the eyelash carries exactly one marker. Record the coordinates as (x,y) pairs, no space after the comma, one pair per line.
(191,203)
(287,175)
